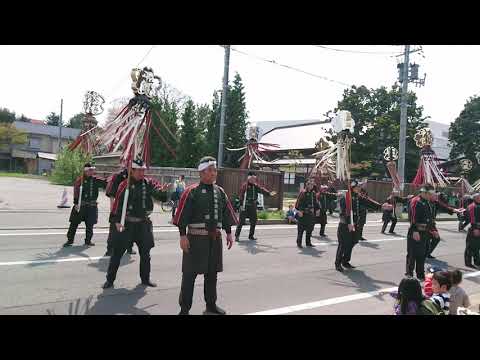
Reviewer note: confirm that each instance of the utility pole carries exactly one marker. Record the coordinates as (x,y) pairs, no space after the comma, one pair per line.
(60,126)
(403,118)
(221,141)
(408,73)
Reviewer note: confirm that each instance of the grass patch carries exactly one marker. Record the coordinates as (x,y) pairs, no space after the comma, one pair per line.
(21,175)
(271,215)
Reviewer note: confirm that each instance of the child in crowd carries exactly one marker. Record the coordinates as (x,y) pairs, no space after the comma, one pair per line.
(427,285)
(458,296)
(290,216)
(441,284)
(409,297)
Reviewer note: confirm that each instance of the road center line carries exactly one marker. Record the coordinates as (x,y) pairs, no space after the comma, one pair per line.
(334,301)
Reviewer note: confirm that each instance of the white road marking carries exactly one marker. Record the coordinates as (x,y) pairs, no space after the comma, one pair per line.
(260,227)
(334,301)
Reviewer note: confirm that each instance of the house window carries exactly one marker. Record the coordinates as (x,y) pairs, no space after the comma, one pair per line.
(289,178)
(34,143)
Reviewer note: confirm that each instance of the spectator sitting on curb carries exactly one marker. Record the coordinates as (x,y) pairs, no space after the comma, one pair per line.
(408,297)
(290,215)
(458,296)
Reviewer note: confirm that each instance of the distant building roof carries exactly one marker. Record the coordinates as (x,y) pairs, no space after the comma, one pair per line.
(298,137)
(48,156)
(53,131)
(37,122)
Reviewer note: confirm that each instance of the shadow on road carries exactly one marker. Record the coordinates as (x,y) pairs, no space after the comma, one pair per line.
(59,254)
(102,264)
(312,251)
(364,283)
(252,247)
(110,302)
(367,244)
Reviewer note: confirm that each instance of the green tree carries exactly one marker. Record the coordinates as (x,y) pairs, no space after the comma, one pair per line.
(69,166)
(213,127)
(10,135)
(377,125)
(53,119)
(169,113)
(236,122)
(6,116)
(188,144)
(76,121)
(464,134)
(202,118)
(23,118)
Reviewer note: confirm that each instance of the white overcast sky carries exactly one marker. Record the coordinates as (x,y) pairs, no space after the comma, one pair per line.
(33,79)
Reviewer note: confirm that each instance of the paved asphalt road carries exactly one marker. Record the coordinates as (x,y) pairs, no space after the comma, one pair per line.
(270,276)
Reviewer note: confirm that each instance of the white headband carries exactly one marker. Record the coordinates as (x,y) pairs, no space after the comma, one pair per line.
(136,166)
(89,168)
(204,165)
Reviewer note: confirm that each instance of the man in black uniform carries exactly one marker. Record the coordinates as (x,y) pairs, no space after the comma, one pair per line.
(347,232)
(249,201)
(437,202)
(390,211)
(204,209)
(85,194)
(324,198)
(138,226)
(463,219)
(421,223)
(307,209)
(472,248)
(113,183)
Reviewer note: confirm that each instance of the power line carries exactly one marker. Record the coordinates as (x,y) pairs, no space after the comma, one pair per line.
(124,78)
(292,68)
(148,53)
(359,51)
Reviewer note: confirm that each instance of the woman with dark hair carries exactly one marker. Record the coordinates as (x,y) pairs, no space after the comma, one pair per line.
(409,297)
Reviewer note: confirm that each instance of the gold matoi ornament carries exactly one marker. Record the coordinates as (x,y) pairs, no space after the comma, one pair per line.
(93,103)
(423,138)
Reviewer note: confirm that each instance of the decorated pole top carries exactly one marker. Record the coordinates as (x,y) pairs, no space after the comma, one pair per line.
(145,82)
(390,154)
(93,103)
(424,138)
(343,121)
(466,166)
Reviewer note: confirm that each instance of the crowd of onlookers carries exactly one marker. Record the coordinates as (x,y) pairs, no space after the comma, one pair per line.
(441,294)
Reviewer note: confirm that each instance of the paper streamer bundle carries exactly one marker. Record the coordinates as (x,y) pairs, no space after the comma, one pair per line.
(390,154)
(254,150)
(92,106)
(428,170)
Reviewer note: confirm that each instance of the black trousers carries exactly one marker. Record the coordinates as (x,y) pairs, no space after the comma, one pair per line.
(137,233)
(472,249)
(346,241)
(359,230)
(431,244)
(111,231)
(188,284)
(305,224)
(251,213)
(72,230)
(392,226)
(416,253)
(322,229)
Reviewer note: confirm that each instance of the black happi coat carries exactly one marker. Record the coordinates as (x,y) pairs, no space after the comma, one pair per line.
(204,207)
(88,208)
